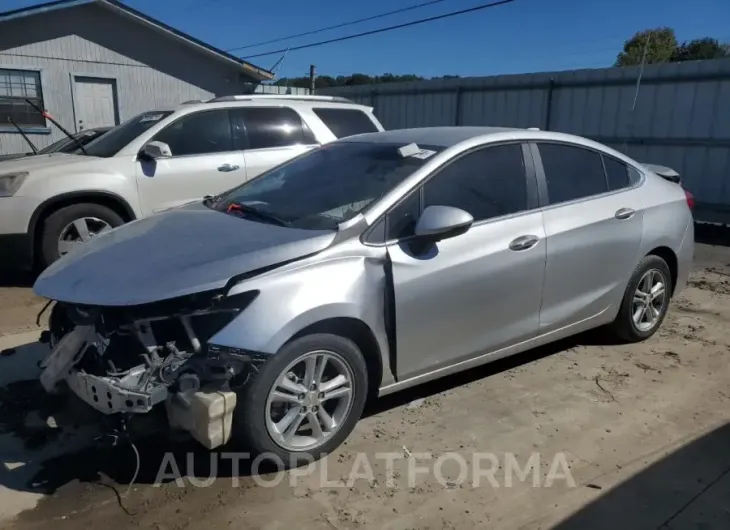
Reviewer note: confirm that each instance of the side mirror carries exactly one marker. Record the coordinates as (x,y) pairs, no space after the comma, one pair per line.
(155,150)
(442,222)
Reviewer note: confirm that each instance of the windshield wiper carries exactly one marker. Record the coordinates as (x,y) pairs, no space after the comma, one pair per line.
(247,208)
(54,122)
(25,136)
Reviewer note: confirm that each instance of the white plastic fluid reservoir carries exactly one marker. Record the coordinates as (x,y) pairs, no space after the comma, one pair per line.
(207,416)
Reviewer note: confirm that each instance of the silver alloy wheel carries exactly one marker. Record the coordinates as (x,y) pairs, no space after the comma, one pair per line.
(309,401)
(649,299)
(79,231)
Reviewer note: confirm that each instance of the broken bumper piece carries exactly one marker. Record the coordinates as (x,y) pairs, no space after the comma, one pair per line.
(108,397)
(134,360)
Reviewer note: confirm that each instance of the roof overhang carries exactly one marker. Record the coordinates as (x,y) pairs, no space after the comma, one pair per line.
(250,70)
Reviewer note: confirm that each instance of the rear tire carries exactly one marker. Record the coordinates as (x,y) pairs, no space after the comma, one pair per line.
(56,223)
(645,301)
(258,411)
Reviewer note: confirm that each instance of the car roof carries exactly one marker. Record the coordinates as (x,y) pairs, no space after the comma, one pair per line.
(436,136)
(268,100)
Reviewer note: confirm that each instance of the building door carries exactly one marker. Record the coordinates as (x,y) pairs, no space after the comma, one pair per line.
(95,102)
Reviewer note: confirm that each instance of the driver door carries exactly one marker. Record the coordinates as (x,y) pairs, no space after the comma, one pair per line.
(477,292)
(204,161)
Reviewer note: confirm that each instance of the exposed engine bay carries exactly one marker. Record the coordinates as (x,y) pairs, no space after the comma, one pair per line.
(129,360)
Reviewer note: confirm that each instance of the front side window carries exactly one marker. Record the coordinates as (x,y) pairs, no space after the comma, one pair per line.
(268,127)
(200,133)
(15,87)
(572,172)
(324,187)
(117,138)
(487,183)
(345,122)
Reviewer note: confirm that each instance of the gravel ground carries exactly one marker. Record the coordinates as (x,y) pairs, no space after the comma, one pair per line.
(642,429)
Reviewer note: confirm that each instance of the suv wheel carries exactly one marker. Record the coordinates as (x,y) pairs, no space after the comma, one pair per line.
(73,225)
(304,401)
(645,301)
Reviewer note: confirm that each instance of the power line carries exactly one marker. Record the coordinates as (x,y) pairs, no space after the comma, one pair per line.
(382,30)
(342,25)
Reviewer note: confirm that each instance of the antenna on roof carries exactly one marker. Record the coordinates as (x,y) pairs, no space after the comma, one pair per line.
(638,86)
(277,64)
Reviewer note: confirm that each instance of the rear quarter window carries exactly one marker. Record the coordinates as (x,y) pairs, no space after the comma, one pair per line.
(345,122)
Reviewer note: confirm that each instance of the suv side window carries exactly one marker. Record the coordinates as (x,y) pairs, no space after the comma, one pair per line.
(274,127)
(487,183)
(200,133)
(617,173)
(572,172)
(345,122)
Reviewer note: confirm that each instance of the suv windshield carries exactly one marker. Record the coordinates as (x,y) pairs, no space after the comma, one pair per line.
(110,143)
(67,145)
(324,187)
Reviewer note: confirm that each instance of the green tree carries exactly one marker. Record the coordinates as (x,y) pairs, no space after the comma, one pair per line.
(662,45)
(700,49)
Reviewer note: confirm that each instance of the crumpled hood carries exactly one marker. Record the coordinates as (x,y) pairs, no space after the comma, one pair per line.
(175,253)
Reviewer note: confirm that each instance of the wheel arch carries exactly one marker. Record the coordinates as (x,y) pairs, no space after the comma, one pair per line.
(104,198)
(670,257)
(364,338)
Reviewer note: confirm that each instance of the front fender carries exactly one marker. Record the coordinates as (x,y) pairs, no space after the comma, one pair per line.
(301,294)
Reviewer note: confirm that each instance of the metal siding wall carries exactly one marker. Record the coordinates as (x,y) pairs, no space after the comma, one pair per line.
(681,119)
(151,71)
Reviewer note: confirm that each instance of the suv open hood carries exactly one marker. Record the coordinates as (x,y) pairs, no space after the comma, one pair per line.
(179,252)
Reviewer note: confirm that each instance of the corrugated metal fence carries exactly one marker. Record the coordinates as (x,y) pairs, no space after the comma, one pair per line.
(681,117)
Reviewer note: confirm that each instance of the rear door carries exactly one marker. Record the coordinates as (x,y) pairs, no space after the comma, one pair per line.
(271,136)
(204,161)
(479,291)
(593,222)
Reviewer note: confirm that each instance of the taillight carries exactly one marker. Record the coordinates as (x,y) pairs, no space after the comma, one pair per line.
(690,199)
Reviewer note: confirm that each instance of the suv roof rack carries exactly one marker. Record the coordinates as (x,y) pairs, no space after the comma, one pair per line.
(296,97)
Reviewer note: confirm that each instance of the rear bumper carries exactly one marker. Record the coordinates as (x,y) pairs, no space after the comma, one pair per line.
(685,257)
(16,251)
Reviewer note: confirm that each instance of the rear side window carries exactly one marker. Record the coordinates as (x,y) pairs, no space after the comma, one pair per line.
(617,173)
(345,122)
(274,127)
(572,172)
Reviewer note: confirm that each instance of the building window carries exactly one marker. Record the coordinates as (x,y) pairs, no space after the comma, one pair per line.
(15,87)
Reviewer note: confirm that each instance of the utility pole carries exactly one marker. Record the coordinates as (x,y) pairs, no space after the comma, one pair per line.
(311,78)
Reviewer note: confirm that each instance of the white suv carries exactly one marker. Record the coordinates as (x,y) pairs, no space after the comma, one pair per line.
(158,160)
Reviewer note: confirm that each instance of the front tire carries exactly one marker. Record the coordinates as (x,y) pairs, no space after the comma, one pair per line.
(73,225)
(645,301)
(304,401)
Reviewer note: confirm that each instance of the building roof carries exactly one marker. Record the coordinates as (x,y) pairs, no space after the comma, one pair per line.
(119,8)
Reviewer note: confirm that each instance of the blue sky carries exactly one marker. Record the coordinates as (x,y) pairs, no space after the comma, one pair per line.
(524,36)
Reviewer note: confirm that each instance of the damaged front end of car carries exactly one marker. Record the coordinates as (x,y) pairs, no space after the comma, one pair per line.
(128,360)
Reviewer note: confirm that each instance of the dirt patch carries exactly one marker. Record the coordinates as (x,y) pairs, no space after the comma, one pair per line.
(27,411)
(711,279)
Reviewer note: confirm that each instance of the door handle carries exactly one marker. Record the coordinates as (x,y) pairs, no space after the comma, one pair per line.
(227,167)
(624,213)
(524,243)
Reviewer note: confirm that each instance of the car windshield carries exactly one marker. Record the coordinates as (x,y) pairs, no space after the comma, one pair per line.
(67,145)
(326,186)
(113,141)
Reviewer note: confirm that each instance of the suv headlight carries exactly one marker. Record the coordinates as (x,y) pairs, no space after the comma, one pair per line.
(11,182)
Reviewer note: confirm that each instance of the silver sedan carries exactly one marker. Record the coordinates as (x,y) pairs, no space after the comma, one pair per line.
(366,266)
